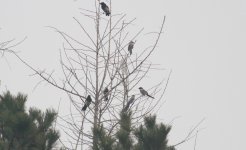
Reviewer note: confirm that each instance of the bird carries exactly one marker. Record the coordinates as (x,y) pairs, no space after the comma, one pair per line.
(87,102)
(130,47)
(143,92)
(105,8)
(105,93)
(129,102)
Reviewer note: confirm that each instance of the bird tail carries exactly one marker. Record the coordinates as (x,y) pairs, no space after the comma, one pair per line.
(107,13)
(126,107)
(84,108)
(150,96)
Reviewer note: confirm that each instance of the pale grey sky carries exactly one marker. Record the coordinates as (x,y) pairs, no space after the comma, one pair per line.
(203,43)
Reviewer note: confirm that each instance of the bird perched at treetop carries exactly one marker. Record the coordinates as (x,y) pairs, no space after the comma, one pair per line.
(143,92)
(105,93)
(129,103)
(87,102)
(105,8)
(130,47)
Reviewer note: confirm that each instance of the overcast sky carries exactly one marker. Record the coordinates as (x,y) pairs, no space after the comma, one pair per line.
(203,43)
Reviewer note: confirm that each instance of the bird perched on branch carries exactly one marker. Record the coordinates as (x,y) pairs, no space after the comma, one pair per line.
(105,8)
(143,92)
(130,47)
(105,93)
(87,102)
(129,103)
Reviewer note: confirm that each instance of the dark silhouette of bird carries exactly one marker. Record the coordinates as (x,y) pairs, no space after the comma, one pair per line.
(87,102)
(105,8)
(130,47)
(129,103)
(105,93)
(143,92)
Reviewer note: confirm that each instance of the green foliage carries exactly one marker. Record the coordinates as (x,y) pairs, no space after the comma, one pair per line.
(152,136)
(123,135)
(149,136)
(104,141)
(22,130)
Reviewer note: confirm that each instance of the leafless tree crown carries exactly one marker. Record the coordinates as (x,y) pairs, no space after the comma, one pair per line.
(100,59)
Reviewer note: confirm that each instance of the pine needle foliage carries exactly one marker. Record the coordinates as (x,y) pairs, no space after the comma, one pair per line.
(148,136)
(105,142)
(152,136)
(125,141)
(25,131)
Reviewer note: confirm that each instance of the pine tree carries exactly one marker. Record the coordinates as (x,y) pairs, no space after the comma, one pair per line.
(47,135)
(123,134)
(22,130)
(105,142)
(152,136)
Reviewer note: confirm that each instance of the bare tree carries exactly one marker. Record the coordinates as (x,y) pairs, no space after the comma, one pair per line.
(100,59)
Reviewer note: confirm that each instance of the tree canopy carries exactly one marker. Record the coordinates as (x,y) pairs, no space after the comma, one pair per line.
(148,136)
(24,130)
